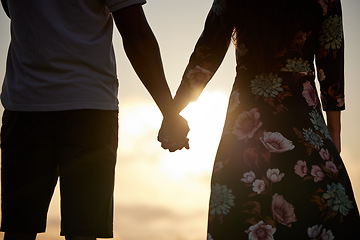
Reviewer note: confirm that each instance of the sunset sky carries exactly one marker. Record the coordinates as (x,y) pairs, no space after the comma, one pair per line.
(164,196)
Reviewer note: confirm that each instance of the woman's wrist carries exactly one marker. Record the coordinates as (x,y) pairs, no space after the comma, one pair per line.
(170,112)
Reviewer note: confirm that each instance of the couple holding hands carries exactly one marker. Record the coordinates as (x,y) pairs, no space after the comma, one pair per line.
(278,173)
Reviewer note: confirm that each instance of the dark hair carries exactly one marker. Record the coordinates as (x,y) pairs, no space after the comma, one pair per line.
(267,27)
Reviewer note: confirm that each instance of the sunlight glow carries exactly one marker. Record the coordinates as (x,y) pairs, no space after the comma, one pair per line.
(136,119)
(139,124)
(206,118)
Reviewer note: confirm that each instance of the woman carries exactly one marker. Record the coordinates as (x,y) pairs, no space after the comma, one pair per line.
(278,173)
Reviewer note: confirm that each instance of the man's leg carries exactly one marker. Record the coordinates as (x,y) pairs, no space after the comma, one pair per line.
(28,173)
(20,236)
(87,146)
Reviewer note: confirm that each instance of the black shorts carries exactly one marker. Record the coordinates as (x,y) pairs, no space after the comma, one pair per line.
(79,147)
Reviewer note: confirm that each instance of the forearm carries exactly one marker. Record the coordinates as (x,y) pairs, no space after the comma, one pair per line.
(334,121)
(181,99)
(143,52)
(206,58)
(145,58)
(334,126)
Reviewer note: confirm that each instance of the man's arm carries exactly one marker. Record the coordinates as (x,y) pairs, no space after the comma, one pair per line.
(142,49)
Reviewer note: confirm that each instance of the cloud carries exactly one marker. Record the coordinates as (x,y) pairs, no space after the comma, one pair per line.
(146,221)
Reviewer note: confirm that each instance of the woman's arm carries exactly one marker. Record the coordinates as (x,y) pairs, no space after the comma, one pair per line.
(334,126)
(204,61)
(330,67)
(207,56)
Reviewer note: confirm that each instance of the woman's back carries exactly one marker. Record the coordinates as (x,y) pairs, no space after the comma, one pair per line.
(276,29)
(277,173)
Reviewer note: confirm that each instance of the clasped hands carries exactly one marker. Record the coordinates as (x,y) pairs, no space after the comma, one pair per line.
(173,133)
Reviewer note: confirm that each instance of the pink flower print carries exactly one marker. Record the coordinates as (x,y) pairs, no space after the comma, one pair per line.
(314,231)
(341,102)
(321,75)
(241,49)
(300,39)
(331,166)
(324,153)
(246,124)
(249,177)
(274,175)
(283,212)
(301,168)
(258,186)
(309,94)
(317,173)
(233,101)
(198,76)
(323,4)
(218,166)
(275,142)
(327,235)
(261,231)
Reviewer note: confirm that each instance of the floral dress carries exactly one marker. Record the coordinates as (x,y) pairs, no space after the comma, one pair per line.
(277,173)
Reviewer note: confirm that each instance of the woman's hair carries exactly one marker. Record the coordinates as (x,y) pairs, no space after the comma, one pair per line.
(267,27)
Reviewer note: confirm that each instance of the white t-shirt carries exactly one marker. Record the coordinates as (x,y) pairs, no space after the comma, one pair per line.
(61,55)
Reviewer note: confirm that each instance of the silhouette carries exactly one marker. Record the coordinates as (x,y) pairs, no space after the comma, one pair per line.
(61,111)
(277,173)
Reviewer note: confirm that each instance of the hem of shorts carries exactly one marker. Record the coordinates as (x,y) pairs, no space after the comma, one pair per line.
(101,235)
(58,107)
(13,230)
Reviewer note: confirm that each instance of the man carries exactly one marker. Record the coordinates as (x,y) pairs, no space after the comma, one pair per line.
(61,111)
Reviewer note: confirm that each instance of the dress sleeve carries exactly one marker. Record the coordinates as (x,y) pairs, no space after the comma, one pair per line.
(209,51)
(330,56)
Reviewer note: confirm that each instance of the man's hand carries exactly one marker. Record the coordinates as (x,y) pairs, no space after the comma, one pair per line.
(173,133)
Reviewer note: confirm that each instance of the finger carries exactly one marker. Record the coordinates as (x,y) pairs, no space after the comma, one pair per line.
(171,145)
(175,148)
(179,145)
(187,146)
(183,144)
(161,138)
(166,145)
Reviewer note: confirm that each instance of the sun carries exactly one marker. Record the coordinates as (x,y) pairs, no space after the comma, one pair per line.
(140,122)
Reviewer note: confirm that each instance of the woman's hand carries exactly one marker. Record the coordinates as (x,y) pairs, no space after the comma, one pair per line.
(173,133)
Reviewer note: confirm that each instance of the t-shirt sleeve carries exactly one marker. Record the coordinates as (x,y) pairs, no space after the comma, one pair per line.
(115,5)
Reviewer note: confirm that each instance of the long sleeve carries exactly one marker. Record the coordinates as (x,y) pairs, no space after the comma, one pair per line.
(330,57)
(208,53)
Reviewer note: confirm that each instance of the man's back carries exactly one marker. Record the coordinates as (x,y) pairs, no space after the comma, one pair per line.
(61,52)
(61,118)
